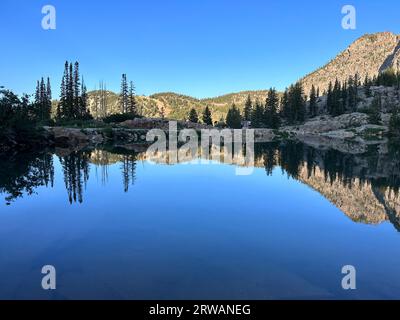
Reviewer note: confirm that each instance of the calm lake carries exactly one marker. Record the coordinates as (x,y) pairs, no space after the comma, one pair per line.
(117,226)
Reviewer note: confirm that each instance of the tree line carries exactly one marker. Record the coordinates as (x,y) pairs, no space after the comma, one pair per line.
(270,114)
(294,107)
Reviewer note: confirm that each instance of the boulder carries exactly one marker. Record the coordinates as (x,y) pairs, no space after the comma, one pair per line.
(323,124)
(69,136)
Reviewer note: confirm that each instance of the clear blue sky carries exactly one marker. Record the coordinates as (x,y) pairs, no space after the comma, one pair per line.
(201,48)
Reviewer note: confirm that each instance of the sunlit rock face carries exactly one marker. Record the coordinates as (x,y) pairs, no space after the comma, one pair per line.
(370,54)
(392,200)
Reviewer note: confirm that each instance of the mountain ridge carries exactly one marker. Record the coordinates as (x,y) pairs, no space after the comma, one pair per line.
(369,55)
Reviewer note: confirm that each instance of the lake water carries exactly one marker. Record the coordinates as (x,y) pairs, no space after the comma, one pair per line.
(117,226)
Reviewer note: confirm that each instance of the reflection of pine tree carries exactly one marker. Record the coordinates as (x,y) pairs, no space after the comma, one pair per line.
(76,173)
(103,172)
(129,171)
(46,170)
(291,158)
(23,174)
(270,160)
(336,166)
(310,162)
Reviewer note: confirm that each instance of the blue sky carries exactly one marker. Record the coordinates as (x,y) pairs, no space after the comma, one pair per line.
(202,48)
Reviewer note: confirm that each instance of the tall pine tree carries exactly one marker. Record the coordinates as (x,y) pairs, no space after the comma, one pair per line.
(313,102)
(193,117)
(207,117)
(257,115)
(270,116)
(123,97)
(248,106)
(73,96)
(132,109)
(233,118)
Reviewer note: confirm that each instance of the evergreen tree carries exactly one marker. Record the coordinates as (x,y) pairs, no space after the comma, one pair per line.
(62,105)
(257,115)
(374,112)
(285,110)
(123,97)
(77,108)
(352,94)
(357,84)
(48,88)
(398,80)
(70,94)
(313,102)
(73,95)
(299,103)
(344,97)
(394,125)
(83,105)
(336,103)
(233,118)
(387,78)
(193,117)
(42,102)
(47,102)
(207,117)
(367,87)
(37,93)
(295,109)
(329,98)
(248,109)
(270,115)
(132,109)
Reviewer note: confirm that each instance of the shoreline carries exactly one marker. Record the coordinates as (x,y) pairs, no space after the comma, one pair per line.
(350,133)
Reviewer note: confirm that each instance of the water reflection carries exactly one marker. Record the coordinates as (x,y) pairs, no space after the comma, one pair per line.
(364,186)
(23,173)
(76,174)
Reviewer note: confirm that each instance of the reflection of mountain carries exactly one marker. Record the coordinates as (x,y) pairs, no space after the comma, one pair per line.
(358,202)
(365,187)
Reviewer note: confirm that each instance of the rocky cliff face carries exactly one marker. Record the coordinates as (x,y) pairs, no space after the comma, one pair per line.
(370,54)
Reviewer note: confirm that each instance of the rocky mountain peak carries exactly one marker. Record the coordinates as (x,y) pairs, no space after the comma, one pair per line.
(368,55)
